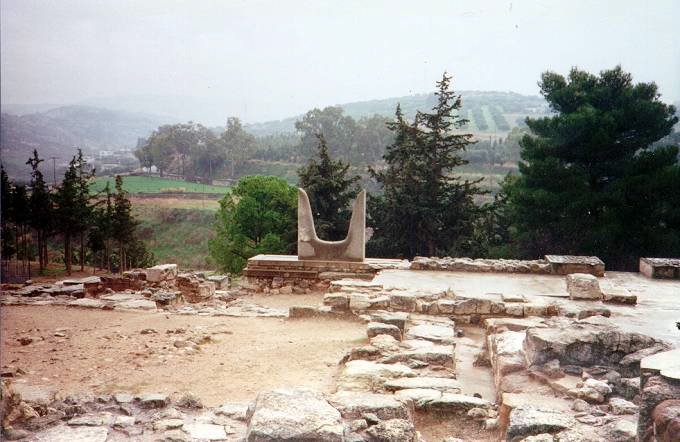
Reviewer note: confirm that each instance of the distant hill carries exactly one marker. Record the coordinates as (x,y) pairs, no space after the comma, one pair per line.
(489,112)
(60,131)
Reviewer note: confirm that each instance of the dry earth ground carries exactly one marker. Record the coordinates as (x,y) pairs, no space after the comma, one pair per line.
(105,351)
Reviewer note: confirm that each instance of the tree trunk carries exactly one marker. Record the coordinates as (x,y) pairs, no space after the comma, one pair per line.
(82,252)
(67,252)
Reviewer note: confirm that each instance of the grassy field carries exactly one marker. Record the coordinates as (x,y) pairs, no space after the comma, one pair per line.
(176,235)
(137,184)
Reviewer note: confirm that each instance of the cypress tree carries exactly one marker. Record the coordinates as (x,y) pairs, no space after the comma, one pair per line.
(330,192)
(425,208)
(40,204)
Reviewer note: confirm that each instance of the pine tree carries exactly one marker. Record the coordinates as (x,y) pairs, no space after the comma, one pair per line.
(83,206)
(123,224)
(425,208)
(6,215)
(330,192)
(67,213)
(41,210)
(592,181)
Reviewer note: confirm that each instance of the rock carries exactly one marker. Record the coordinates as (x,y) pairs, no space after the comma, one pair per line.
(124,421)
(432,332)
(161,272)
(123,398)
(302,311)
(592,390)
(579,405)
(63,433)
(189,400)
(620,406)
(666,418)
(419,396)
(393,430)
(528,420)
(234,411)
(87,303)
(14,434)
(394,318)
(378,328)
(92,420)
(353,405)
(370,376)
(446,385)
(336,301)
(544,437)
(25,340)
(622,431)
(618,295)
(153,400)
(506,352)
(221,281)
(628,387)
(404,302)
(433,354)
(175,436)
(584,343)
(299,414)
(136,304)
(552,369)
(205,431)
(35,394)
(477,413)
(583,286)
(454,403)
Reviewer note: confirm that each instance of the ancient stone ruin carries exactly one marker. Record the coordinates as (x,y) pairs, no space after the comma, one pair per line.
(449,349)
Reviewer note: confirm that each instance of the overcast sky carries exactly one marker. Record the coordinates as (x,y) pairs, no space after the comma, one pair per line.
(272,59)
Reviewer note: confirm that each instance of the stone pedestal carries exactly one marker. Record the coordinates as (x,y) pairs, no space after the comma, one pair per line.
(659,384)
(566,264)
(662,268)
(276,271)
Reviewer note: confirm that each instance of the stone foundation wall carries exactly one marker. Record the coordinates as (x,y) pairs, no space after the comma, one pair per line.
(481,265)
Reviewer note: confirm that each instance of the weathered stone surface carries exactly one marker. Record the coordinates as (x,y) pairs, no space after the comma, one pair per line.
(480,265)
(238,412)
(566,264)
(221,281)
(665,268)
(583,286)
(584,343)
(506,352)
(622,406)
(353,405)
(370,376)
(454,403)
(433,355)
(393,430)
(293,415)
(666,418)
(161,272)
(592,390)
(395,318)
(618,295)
(404,302)
(419,396)
(302,311)
(499,325)
(446,385)
(88,303)
(528,420)
(622,431)
(72,434)
(337,301)
(205,431)
(379,328)
(136,304)
(431,332)
(153,400)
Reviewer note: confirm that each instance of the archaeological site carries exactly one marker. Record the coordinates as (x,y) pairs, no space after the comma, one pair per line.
(332,346)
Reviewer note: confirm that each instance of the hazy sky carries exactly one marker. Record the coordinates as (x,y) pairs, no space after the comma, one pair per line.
(271,59)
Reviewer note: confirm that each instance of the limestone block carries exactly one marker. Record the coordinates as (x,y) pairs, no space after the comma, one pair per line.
(404,302)
(353,405)
(583,286)
(379,328)
(270,417)
(336,301)
(161,272)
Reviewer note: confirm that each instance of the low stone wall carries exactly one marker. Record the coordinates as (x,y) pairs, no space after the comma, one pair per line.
(481,265)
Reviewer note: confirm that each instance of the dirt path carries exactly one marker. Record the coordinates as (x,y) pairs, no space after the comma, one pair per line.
(105,351)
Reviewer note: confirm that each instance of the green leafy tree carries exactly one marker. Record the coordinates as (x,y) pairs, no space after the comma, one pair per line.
(590,184)
(330,192)
(238,144)
(6,215)
(258,216)
(41,209)
(425,209)
(338,129)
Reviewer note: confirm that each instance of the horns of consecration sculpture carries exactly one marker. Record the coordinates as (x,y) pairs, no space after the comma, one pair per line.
(352,248)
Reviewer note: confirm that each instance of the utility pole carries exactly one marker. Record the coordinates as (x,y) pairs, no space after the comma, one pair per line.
(54,170)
